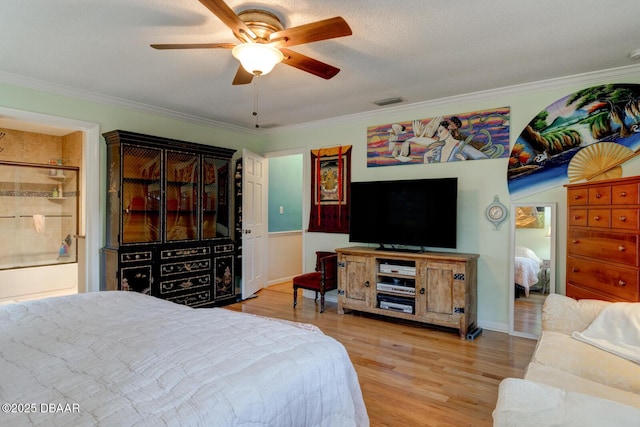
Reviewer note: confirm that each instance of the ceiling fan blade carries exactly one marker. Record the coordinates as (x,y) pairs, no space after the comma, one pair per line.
(193,46)
(309,65)
(242,77)
(230,19)
(313,32)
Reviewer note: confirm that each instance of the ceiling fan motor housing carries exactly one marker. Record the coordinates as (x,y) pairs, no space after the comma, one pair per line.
(261,22)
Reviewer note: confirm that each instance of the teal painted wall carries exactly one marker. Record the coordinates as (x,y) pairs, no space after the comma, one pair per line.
(285,189)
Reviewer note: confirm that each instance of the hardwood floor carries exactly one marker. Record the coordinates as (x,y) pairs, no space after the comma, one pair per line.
(528,314)
(410,374)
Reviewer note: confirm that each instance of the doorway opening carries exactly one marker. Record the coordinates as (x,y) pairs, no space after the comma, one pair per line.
(25,283)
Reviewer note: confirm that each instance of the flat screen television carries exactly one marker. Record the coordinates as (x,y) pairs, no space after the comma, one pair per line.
(421,212)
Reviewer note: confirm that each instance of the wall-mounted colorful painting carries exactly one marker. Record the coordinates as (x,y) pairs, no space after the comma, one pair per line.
(585,136)
(466,136)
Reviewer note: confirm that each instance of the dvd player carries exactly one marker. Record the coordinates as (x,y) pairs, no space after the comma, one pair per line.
(405,270)
(386,305)
(390,302)
(399,289)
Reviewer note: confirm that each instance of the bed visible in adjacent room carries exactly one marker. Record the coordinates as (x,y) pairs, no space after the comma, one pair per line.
(527,269)
(122,358)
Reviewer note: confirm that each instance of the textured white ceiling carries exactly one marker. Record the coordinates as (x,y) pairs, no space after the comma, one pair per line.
(419,50)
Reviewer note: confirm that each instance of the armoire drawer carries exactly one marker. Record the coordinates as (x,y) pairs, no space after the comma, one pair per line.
(614,247)
(603,277)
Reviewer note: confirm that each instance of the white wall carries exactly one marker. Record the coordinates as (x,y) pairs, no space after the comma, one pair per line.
(285,256)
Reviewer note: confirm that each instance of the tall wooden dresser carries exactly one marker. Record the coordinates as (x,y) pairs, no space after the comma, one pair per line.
(603,240)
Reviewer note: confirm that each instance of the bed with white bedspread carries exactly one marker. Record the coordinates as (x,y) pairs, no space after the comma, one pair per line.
(122,359)
(527,268)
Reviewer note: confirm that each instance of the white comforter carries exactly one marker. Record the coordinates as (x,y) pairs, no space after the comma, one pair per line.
(526,274)
(122,358)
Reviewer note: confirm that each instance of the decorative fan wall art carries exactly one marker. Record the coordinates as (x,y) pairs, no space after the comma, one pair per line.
(599,161)
(584,136)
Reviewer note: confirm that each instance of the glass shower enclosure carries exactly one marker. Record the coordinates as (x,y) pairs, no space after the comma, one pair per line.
(38,215)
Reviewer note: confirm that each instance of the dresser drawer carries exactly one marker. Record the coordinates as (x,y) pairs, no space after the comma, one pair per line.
(625,219)
(600,195)
(625,194)
(621,248)
(578,292)
(578,217)
(601,277)
(578,197)
(599,218)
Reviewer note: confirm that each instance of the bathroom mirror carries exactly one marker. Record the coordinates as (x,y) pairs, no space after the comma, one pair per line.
(533,265)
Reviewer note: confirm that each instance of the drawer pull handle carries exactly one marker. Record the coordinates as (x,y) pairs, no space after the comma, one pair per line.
(575,270)
(623,194)
(576,217)
(576,241)
(366,284)
(598,195)
(596,218)
(621,283)
(576,197)
(422,291)
(621,248)
(623,218)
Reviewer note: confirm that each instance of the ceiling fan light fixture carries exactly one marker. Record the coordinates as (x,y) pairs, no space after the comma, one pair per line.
(257,58)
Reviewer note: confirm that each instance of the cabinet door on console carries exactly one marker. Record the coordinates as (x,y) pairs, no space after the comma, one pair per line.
(446,293)
(439,288)
(356,280)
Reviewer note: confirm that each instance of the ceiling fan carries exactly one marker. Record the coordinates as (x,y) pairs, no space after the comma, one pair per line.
(264,41)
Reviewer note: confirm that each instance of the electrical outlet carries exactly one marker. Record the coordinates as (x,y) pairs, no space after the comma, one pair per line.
(281,210)
(546,263)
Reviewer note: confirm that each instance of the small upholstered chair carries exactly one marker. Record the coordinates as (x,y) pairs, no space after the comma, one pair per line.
(325,278)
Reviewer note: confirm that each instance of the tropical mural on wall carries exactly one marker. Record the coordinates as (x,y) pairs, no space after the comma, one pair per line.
(474,135)
(584,136)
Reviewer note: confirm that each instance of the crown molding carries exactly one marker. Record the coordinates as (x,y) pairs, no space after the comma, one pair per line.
(63,90)
(632,71)
(595,77)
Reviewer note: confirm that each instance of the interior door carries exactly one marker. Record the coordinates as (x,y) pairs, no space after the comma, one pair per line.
(254,223)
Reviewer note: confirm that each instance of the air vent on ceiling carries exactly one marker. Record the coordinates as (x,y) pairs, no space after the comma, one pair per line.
(389,101)
(269,126)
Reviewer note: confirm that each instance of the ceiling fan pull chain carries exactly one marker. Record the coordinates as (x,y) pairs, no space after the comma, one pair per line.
(255,100)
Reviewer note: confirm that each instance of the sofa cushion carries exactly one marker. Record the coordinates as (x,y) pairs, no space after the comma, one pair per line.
(567,354)
(569,382)
(523,403)
(567,315)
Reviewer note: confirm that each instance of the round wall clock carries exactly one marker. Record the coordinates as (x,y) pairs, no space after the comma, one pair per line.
(496,212)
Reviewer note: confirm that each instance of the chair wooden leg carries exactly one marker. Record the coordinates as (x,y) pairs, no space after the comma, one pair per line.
(316,298)
(295,296)
(322,302)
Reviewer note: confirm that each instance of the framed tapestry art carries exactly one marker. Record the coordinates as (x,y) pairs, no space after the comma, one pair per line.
(330,179)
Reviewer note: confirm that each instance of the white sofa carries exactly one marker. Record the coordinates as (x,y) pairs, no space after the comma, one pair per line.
(569,382)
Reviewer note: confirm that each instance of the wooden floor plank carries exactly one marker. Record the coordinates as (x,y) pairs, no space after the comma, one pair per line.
(410,374)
